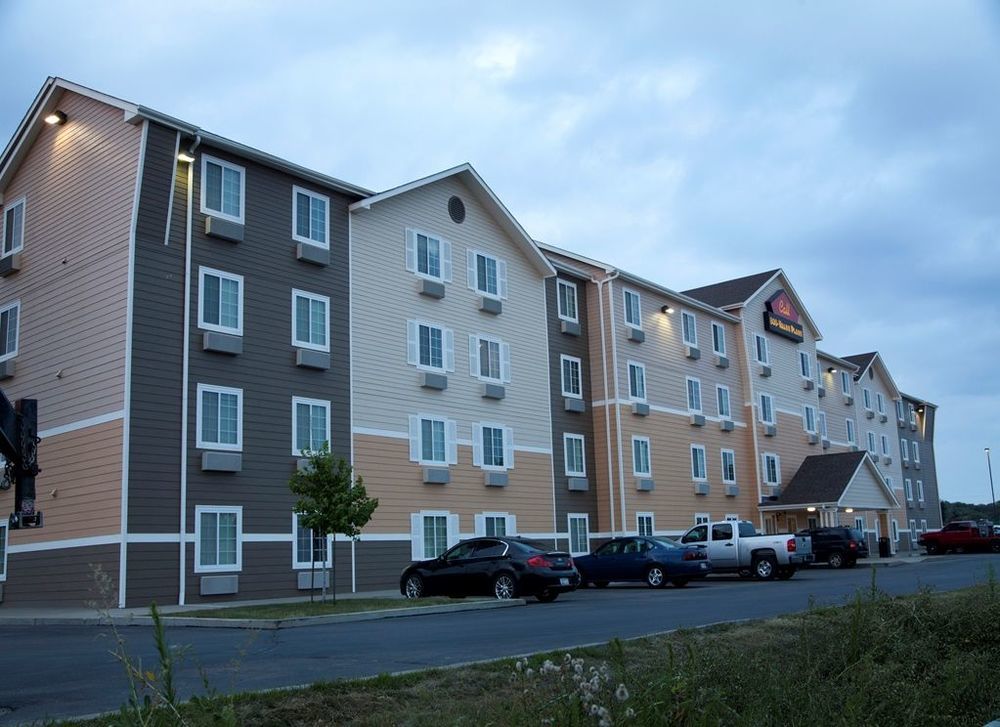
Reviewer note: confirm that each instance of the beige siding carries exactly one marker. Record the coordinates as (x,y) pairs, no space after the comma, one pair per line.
(875,381)
(79,487)
(78,181)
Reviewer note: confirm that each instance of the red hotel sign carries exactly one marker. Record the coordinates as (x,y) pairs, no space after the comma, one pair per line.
(782,318)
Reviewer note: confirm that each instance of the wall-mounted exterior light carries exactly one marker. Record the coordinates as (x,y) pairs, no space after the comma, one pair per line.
(56,118)
(668,309)
(849,510)
(832,370)
(811,509)
(185,156)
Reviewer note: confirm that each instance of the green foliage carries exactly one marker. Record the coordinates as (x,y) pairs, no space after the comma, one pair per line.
(965,511)
(331,499)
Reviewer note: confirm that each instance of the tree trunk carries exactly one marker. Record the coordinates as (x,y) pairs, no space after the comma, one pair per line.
(333,566)
(323,598)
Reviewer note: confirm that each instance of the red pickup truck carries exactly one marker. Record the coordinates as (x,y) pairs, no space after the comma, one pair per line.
(961,536)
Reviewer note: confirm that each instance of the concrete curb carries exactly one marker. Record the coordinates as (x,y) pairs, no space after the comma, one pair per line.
(261,624)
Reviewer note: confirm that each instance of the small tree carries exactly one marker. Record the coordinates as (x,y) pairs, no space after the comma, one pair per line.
(332,501)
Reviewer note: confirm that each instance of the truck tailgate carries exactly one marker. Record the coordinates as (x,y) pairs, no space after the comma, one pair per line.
(803,544)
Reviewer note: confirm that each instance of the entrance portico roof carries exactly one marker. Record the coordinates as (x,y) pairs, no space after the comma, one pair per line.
(841,481)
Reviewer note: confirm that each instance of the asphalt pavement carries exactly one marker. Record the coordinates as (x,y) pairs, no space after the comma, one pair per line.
(51,672)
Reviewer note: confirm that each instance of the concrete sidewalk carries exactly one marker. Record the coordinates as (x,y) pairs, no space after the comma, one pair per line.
(892,562)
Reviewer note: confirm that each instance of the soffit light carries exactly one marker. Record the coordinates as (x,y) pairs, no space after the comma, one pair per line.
(56,118)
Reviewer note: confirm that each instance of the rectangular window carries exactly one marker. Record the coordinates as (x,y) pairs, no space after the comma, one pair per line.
(435,535)
(701,518)
(772,469)
(640,457)
(849,423)
(859,522)
(694,394)
(644,524)
(718,339)
(904,450)
(766,409)
(487,275)
(494,447)
(845,383)
(908,488)
(823,432)
(218,538)
(575,463)
(221,301)
(636,381)
(220,418)
(728,466)
(698,470)
(13,227)
(10,318)
(805,365)
(866,396)
(433,440)
(923,525)
(310,213)
(760,350)
(899,412)
(885,447)
(309,546)
(222,188)
(809,419)
(431,342)
(871,444)
(489,359)
(495,525)
(811,522)
(913,531)
(429,346)
(913,416)
(567,301)
(920,490)
(428,255)
(895,530)
(571,382)
(310,320)
(310,425)
(633,309)
(689,327)
(916,451)
(579,534)
(879,402)
(722,399)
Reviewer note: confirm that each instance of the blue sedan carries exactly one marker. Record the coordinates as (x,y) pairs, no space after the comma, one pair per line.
(653,560)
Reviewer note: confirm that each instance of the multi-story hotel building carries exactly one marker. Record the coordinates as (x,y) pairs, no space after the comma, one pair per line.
(191,314)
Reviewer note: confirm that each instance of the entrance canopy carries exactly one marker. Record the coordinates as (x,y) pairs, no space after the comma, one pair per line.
(825,482)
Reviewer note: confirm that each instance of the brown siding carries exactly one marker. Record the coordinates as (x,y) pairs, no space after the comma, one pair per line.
(152,574)
(61,577)
(380,563)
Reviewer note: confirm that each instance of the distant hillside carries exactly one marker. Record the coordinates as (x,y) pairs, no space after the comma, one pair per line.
(965,511)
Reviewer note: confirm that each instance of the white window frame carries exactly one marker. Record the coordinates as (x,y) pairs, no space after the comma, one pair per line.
(719,388)
(884,441)
(412,253)
(21,202)
(688,381)
(759,345)
(879,402)
(693,342)
(860,524)
(824,430)
(203,272)
(866,398)
(570,517)
(205,161)
(637,323)
(296,400)
(805,365)
(920,491)
(851,430)
(472,273)
(722,457)
(296,563)
(311,297)
(641,369)
(450,444)
(894,527)
(923,525)
(904,450)
(200,510)
(846,383)
(17,330)
(481,520)
(639,517)
(913,530)
(718,327)
(913,416)
(702,518)
(479,446)
(413,346)
(637,442)
(765,457)
(760,408)
(872,447)
(570,286)
(475,359)
(5,547)
(704,463)
(915,451)
(908,488)
(808,409)
(899,409)
(200,442)
(296,191)
(563,359)
(583,455)
(451,524)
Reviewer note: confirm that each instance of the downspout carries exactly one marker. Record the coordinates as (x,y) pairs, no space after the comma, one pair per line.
(607,405)
(752,423)
(185,376)
(618,409)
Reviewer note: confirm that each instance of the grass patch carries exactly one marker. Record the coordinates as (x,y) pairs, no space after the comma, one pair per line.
(275,611)
(928,659)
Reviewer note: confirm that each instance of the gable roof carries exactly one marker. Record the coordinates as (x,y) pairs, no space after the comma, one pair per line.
(485,196)
(852,367)
(861,360)
(52,90)
(731,293)
(823,479)
(864,361)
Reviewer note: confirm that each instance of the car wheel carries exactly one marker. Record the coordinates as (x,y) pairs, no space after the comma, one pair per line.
(836,560)
(600,584)
(679,582)
(414,586)
(765,567)
(655,577)
(547,596)
(995,547)
(933,550)
(504,587)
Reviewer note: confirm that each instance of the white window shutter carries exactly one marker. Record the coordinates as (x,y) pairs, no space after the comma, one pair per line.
(414,438)
(449,349)
(452,530)
(512,525)
(502,278)
(451,441)
(477,445)
(505,362)
(471,269)
(474,356)
(416,536)
(508,448)
(411,251)
(446,261)
(480,525)
(412,343)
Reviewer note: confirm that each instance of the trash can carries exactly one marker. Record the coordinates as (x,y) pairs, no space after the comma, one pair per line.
(884,549)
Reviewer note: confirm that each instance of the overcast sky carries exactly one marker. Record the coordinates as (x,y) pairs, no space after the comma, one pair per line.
(855,145)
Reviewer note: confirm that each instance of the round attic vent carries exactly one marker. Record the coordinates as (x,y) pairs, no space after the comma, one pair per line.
(456,209)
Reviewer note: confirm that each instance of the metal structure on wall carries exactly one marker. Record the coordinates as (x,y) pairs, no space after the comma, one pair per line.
(19,447)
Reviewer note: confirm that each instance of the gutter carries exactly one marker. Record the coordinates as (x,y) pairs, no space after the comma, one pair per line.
(607,411)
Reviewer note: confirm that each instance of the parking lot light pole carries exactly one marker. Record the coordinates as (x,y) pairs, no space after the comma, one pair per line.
(993,497)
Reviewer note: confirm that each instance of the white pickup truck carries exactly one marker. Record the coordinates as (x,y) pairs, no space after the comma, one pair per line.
(735,547)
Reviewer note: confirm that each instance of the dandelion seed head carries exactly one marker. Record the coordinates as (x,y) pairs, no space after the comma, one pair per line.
(621,693)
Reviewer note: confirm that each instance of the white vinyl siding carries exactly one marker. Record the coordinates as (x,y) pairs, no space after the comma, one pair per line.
(218,539)
(223,188)
(310,321)
(641,457)
(636,381)
(566,292)
(579,533)
(689,329)
(220,418)
(13,227)
(310,425)
(571,378)
(633,309)
(699,471)
(220,301)
(718,339)
(310,217)
(10,320)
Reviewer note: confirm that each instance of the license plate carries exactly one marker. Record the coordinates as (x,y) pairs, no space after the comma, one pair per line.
(564,581)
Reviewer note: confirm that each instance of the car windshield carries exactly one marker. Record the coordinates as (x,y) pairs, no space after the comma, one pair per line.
(664,543)
(531,546)
(747,530)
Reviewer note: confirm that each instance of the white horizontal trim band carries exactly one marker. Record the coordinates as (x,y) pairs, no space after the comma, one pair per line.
(664,410)
(63,544)
(463,442)
(82,424)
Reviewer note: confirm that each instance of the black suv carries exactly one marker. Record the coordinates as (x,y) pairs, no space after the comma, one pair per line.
(839,547)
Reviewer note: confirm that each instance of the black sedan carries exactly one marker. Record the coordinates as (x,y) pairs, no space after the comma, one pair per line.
(653,560)
(502,567)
